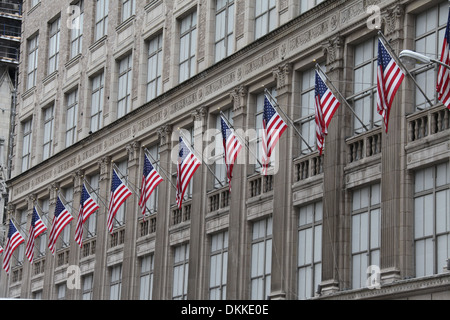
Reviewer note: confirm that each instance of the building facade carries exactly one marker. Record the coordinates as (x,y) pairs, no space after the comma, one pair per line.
(10,26)
(103,82)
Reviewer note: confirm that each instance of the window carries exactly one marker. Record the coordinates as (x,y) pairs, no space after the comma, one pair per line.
(122,172)
(180,272)
(224,35)
(307,110)
(97,102)
(146,282)
(365,85)
(53,46)
(265,17)
(218,266)
(152,203)
(48,132)
(154,67)
(22,227)
(61,291)
(366,232)
(128,9)
(116,282)
(37,295)
(188,46)
(429,37)
(34,3)
(101,18)
(309,249)
(88,286)
(33,48)
(259,128)
(71,118)
(125,81)
(217,158)
(261,259)
(305,5)
(26,147)
(76,32)
(432,219)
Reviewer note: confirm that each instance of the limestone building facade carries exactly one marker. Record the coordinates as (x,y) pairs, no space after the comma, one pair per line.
(102,82)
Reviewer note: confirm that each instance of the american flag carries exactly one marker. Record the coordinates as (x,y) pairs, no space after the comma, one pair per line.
(61,219)
(231,146)
(14,239)
(87,207)
(150,180)
(119,193)
(273,128)
(186,167)
(443,80)
(37,227)
(326,106)
(389,78)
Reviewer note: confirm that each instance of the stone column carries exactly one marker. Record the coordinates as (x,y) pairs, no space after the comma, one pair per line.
(393,161)
(282,248)
(27,266)
(237,273)
(131,217)
(73,290)
(197,238)
(100,270)
(165,189)
(335,235)
(49,275)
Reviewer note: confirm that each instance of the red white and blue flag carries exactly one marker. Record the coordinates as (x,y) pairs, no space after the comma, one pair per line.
(443,79)
(186,167)
(231,146)
(119,193)
(273,128)
(61,219)
(87,207)
(14,239)
(150,180)
(326,106)
(37,227)
(389,78)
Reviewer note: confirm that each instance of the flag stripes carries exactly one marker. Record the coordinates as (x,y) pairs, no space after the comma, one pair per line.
(87,207)
(150,180)
(231,146)
(14,239)
(119,193)
(186,167)
(443,79)
(37,227)
(389,78)
(61,219)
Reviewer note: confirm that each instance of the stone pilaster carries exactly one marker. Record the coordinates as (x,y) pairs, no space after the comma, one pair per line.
(165,190)
(100,269)
(282,243)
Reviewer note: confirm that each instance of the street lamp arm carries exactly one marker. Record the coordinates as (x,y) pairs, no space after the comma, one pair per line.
(420,58)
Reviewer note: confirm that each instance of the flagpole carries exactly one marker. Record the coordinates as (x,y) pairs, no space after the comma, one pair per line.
(147,152)
(98,196)
(193,151)
(289,119)
(240,138)
(18,226)
(403,66)
(345,100)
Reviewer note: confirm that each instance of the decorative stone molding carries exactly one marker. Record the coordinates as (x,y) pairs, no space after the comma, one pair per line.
(132,150)
(238,95)
(164,133)
(282,75)
(103,164)
(199,114)
(393,18)
(332,48)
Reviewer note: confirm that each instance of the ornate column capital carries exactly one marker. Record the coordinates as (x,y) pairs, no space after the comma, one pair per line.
(282,75)
(393,18)
(238,96)
(133,150)
(164,134)
(333,49)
